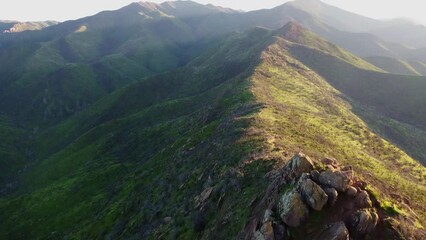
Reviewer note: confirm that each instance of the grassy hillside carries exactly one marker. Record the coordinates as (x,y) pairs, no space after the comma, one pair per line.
(304,113)
(374,89)
(92,56)
(13,153)
(394,65)
(185,154)
(183,130)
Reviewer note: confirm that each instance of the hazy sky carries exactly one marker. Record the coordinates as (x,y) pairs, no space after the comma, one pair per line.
(25,10)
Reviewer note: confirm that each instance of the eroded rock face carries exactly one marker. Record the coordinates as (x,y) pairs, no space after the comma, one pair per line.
(313,194)
(336,179)
(334,231)
(363,222)
(291,208)
(300,163)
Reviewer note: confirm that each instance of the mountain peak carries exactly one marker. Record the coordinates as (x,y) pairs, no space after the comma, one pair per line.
(292,31)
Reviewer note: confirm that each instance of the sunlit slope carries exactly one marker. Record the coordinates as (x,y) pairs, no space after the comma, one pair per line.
(186,154)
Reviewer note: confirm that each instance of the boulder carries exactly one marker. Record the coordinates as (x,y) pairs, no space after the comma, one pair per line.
(267,231)
(336,179)
(315,175)
(363,222)
(332,195)
(270,231)
(299,163)
(362,200)
(351,191)
(312,194)
(291,208)
(334,231)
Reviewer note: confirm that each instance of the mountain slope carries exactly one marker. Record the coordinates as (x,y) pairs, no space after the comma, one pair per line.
(397,31)
(93,56)
(185,154)
(13,26)
(113,48)
(393,65)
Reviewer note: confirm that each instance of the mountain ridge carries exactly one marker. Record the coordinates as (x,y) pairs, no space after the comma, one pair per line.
(168,122)
(148,126)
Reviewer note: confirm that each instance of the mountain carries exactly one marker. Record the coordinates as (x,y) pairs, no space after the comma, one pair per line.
(189,121)
(92,57)
(397,66)
(131,165)
(14,26)
(397,31)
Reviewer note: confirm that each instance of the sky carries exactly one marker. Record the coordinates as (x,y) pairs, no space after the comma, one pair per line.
(61,10)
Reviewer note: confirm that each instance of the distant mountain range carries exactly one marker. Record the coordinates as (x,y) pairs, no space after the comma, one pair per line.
(14,26)
(177,120)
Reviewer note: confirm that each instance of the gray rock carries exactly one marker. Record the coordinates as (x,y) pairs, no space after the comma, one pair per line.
(332,195)
(267,216)
(300,163)
(351,191)
(334,231)
(312,194)
(291,208)
(362,200)
(363,222)
(336,179)
(315,175)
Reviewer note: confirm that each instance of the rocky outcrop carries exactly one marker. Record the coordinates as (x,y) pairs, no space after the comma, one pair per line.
(362,200)
(363,222)
(332,195)
(312,194)
(299,164)
(351,191)
(292,209)
(334,231)
(334,190)
(335,179)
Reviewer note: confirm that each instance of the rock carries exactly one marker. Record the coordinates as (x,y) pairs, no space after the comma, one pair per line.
(267,217)
(362,200)
(206,194)
(334,231)
(202,198)
(351,191)
(300,163)
(267,231)
(315,175)
(291,208)
(332,195)
(360,184)
(363,222)
(336,179)
(313,194)
(329,161)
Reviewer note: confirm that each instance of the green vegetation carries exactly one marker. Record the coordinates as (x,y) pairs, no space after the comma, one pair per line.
(137,135)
